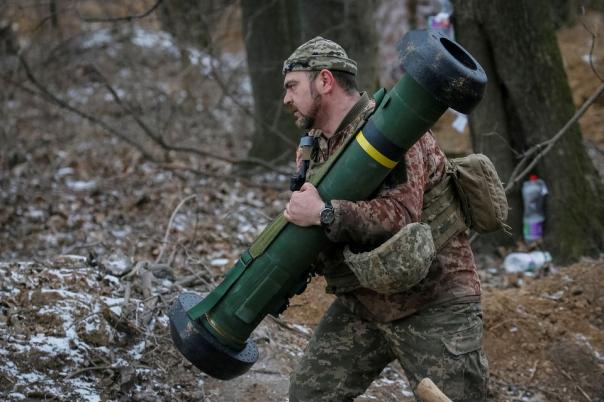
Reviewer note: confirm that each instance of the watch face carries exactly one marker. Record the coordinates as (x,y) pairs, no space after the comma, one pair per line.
(327,216)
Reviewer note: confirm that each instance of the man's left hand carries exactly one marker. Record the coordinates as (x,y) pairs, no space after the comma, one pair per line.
(304,206)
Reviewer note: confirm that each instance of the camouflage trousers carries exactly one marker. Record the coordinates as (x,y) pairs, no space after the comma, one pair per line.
(346,353)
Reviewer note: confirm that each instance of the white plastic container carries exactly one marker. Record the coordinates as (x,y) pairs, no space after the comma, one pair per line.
(533,194)
(526,262)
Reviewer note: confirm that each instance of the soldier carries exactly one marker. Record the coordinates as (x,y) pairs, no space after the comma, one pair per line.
(432,327)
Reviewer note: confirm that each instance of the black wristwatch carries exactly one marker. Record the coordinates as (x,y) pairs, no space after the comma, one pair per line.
(327,215)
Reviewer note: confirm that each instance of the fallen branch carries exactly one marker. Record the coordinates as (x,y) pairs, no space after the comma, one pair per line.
(91,368)
(118,323)
(191,280)
(150,300)
(287,326)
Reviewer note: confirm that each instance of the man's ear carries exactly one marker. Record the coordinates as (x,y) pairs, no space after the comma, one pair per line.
(326,82)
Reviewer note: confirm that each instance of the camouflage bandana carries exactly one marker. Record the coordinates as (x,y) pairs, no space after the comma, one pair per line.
(317,54)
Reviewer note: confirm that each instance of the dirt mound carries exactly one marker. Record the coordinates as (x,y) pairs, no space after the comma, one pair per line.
(544,341)
(547,338)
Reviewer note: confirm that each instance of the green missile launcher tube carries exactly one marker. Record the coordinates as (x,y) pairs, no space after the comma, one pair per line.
(213,332)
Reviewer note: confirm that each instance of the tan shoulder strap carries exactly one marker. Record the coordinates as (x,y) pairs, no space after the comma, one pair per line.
(442,211)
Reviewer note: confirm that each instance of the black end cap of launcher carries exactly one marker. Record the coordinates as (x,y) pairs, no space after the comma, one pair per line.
(201,348)
(443,68)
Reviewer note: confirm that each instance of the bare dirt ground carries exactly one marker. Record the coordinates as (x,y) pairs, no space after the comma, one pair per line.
(88,268)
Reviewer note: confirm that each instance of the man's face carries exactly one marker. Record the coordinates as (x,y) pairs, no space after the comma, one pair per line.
(301,98)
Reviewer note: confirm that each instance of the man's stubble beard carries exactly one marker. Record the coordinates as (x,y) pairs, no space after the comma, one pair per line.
(307,121)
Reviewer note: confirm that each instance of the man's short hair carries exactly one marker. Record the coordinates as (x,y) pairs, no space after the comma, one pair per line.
(347,81)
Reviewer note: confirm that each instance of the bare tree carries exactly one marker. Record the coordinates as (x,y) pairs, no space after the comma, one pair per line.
(527,101)
(270,31)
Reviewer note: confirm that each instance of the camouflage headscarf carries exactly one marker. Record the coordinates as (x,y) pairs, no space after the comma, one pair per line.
(317,54)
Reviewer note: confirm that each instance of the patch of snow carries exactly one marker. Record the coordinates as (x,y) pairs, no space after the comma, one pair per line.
(27,378)
(80,94)
(36,214)
(81,185)
(118,263)
(85,389)
(137,351)
(163,320)
(154,40)
(583,339)
(121,232)
(9,367)
(111,279)
(64,171)
(219,262)
(181,221)
(98,38)
(50,344)
(120,93)
(246,228)
(91,326)
(302,328)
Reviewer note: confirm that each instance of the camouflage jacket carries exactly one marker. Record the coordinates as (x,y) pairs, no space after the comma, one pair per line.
(363,225)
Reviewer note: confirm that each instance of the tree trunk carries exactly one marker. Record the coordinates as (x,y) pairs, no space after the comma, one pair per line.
(271,33)
(54,16)
(564,12)
(350,23)
(527,101)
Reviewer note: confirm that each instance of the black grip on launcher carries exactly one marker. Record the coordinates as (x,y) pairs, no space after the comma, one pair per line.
(296,181)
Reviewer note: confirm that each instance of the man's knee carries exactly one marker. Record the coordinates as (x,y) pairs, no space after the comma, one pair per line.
(467,377)
(445,346)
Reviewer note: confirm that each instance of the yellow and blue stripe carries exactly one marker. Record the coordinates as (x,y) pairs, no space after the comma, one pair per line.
(378,146)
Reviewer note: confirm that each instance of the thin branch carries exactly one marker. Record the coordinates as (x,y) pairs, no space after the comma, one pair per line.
(49,96)
(117,19)
(543,148)
(288,326)
(159,140)
(85,369)
(218,79)
(552,141)
(241,179)
(170,222)
(594,36)
(524,167)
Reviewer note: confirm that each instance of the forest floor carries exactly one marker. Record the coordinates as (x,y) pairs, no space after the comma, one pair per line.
(96,242)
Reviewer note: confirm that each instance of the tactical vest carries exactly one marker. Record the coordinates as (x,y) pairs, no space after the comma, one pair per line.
(441,210)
